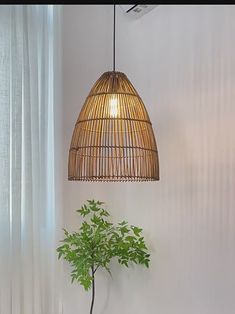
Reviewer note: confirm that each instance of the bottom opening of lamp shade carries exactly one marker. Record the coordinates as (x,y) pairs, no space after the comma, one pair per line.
(113,139)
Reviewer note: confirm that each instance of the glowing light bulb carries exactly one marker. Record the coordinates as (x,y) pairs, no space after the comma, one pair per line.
(113,106)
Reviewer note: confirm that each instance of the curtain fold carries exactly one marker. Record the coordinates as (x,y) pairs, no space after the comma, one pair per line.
(29,218)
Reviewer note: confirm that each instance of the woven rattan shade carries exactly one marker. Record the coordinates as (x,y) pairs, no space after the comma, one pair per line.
(113,139)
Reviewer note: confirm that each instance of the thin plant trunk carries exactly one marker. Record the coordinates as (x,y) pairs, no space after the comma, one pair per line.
(93,289)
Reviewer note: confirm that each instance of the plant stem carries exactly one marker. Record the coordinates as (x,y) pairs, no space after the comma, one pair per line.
(93,289)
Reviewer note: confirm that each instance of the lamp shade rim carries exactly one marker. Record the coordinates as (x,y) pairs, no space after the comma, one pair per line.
(108,179)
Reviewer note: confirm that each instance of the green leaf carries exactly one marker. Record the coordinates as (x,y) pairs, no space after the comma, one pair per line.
(136,230)
(104,213)
(146,263)
(130,239)
(124,230)
(123,223)
(94,208)
(60,254)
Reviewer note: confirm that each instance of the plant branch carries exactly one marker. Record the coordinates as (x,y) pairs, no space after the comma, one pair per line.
(96,269)
(93,288)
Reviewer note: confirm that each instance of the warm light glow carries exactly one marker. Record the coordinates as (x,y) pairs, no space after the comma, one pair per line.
(113,105)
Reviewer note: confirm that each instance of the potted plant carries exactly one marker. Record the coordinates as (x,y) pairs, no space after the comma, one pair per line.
(97,242)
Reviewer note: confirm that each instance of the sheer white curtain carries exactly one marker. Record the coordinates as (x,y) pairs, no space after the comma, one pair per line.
(29,211)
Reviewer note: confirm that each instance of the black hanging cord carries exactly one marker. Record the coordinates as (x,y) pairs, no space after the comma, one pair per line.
(114,35)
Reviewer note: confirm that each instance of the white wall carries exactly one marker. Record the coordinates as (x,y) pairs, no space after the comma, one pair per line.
(181,59)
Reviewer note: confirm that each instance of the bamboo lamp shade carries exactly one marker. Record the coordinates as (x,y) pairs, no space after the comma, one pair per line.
(113,139)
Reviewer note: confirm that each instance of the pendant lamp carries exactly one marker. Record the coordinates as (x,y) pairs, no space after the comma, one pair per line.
(113,139)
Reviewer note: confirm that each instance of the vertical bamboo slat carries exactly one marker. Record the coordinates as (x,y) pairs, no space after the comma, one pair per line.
(113,139)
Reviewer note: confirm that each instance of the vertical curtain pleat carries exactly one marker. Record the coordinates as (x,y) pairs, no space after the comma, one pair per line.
(15,156)
(5,224)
